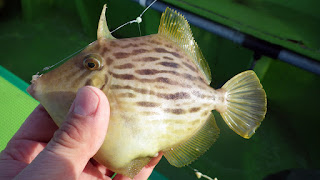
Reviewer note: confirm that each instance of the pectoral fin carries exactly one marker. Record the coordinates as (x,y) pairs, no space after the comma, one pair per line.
(190,150)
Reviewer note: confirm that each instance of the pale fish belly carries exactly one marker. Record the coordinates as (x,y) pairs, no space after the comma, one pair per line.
(158,98)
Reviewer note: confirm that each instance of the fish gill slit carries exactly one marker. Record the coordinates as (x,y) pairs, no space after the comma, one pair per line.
(106,82)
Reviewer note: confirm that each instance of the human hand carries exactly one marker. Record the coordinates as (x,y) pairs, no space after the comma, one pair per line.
(41,150)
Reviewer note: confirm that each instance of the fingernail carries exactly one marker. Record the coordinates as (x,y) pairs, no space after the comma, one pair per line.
(86,102)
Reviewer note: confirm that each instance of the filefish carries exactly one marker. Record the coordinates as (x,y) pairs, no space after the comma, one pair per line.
(158,87)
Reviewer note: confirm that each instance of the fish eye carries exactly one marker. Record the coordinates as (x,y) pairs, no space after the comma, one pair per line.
(91,63)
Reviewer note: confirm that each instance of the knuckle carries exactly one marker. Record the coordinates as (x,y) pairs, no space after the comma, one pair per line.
(69,135)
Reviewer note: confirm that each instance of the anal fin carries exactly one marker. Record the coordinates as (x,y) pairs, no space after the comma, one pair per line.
(190,150)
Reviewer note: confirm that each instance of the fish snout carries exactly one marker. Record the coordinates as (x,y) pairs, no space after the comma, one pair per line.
(32,88)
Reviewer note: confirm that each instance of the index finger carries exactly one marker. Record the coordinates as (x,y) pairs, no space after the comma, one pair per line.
(39,126)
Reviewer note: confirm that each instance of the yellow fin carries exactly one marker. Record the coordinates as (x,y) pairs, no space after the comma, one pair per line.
(134,167)
(103,30)
(175,27)
(190,150)
(246,103)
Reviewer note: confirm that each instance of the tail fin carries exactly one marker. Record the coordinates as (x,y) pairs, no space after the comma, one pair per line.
(246,103)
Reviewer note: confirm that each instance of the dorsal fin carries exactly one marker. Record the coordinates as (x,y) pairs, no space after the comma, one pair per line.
(103,30)
(175,27)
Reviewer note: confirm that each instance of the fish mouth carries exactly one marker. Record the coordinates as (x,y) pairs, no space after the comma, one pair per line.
(32,88)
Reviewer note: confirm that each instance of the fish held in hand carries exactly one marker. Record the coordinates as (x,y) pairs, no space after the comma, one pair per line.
(159,94)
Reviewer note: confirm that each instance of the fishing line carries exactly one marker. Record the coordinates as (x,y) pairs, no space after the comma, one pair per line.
(137,20)
(64,59)
(200,175)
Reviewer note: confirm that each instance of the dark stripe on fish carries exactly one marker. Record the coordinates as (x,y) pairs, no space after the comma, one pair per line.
(126,95)
(130,45)
(194,109)
(72,72)
(147,59)
(205,113)
(154,71)
(168,58)
(162,50)
(166,80)
(200,95)
(147,104)
(88,82)
(144,80)
(80,77)
(114,44)
(124,66)
(109,61)
(155,42)
(174,96)
(175,111)
(104,50)
(138,90)
(190,77)
(169,64)
(190,67)
(122,55)
(202,80)
(123,76)
(142,44)
(138,51)
(169,46)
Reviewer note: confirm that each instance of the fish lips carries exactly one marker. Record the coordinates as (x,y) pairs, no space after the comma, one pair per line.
(32,88)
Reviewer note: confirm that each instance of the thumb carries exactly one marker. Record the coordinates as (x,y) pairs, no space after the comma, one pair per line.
(77,139)
(85,128)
